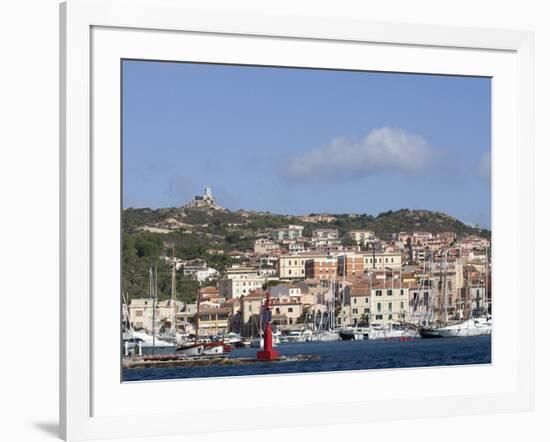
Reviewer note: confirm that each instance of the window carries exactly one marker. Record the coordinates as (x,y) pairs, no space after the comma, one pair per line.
(354,311)
(392,260)
(402,305)
(390,306)
(386,259)
(378,292)
(378,306)
(355,300)
(289,271)
(139,312)
(402,292)
(390,316)
(378,317)
(389,292)
(290,310)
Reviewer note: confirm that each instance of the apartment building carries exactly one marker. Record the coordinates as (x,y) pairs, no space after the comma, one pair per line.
(322,267)
(286,313)
(362,237)
(265,246)
(324,234)
(378,261)
(291,266)
(389,303)
(291,232)
(351,264)
(357,304)
(298,292)
(447,277)
(240,280)
(213,321)
(295,246)
(140,313)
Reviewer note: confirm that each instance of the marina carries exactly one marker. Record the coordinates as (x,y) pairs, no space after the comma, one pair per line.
(329,335)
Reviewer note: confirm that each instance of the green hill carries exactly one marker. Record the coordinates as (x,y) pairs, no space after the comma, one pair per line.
(148,235)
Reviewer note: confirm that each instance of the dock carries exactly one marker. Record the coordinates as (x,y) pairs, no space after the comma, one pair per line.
(169,361)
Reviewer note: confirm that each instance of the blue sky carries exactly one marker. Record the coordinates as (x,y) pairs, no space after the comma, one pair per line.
(298,141)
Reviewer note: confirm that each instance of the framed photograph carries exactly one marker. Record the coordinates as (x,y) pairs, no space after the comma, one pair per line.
(334,213)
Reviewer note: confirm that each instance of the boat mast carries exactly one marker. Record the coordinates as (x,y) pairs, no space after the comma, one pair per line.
(466,297)
(174,300)
(154,289)
(198,314)
(441,293)
(126,307)
(486,291)
(445,288)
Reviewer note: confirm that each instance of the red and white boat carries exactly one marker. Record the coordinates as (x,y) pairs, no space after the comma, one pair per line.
(191,350)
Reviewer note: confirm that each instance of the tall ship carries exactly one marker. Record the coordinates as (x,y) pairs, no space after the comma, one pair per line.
(470,320)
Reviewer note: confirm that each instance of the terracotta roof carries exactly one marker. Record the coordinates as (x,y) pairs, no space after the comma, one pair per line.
(210,311)
(209,290)
(360,291)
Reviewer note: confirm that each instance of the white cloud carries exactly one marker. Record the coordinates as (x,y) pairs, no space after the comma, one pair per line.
(484,166)
(383,149)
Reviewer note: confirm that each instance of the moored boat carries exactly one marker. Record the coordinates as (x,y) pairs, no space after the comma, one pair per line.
(472,327)
(214,348)
(354,333)
(326,336)
(394,331)
(191,350)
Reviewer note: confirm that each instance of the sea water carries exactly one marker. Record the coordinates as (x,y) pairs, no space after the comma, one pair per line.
(338,356)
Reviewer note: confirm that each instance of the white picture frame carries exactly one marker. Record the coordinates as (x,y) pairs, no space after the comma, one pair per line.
(97,33)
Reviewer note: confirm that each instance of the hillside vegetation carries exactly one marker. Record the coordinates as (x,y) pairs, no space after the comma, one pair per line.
(209,234)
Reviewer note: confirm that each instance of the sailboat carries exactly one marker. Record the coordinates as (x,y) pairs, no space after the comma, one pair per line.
(329,333)
(201,348)
(476,325)
(172,335)
(149,344)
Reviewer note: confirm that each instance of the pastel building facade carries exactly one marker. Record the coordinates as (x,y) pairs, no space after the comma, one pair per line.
(239,281)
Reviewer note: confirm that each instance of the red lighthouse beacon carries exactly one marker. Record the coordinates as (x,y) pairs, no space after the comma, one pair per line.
(268,353)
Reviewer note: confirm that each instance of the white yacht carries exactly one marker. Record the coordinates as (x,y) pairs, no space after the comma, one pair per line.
(478,324)
(481,326)
(393,331)
(304,335)
(326,336)
(140,342)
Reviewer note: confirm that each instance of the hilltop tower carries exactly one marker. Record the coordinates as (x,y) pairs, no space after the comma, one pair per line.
(204,201)
(208,195)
